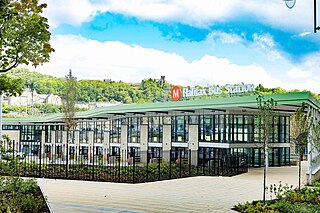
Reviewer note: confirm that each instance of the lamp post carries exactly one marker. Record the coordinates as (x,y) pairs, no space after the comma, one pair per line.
(316,28)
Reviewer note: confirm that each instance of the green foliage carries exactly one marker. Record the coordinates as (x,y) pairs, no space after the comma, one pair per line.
(303,200)
(265,118)
(257,206)
(276,207)
(48,108)
(17,195)
(36,110)
(299,129)
(69,98)
(149,90)
(264,91)
(297,207)
(315,135)
(12,87)
(24,35)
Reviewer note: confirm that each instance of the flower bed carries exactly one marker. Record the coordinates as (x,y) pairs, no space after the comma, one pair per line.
(18,195)
(287,199)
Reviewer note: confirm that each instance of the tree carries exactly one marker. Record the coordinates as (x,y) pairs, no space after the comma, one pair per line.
(265,118)
(24,35)
(299,129)
(69,98)
(314,136)
(10,87)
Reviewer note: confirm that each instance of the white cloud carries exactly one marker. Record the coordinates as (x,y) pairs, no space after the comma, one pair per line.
(265,44)
(90,59)
(227,38)
(69,12)
(303,34)
(310,84)
(297,73)
(311,62)
(193,12)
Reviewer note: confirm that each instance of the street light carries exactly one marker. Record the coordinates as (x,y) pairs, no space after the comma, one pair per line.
(316,28)
(290,4)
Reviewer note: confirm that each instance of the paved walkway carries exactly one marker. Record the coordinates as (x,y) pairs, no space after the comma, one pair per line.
(196,194)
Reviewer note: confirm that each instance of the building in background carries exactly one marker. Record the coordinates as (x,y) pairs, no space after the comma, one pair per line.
(30,97)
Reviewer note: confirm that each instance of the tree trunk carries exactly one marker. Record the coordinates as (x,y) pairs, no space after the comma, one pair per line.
(67,153)
(265,174)
(300,158)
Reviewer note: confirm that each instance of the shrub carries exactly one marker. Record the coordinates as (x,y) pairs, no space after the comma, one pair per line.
(18,195)
(303,200)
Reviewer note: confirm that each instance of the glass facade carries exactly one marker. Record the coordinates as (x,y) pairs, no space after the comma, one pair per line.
(234,129)
(31,133)
(278,156)
(84,127)
(179,128)
(134,130)
(155,129)
(10,127)
(58,133)
(115,130)
(48,133)
(230,128)
(98,131)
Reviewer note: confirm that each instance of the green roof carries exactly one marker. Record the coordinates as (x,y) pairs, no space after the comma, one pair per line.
(294,99)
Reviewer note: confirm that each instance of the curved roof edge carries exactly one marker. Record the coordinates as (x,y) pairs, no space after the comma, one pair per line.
(290,98)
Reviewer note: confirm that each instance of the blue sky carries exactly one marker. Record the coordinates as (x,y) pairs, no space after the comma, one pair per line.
(191,42)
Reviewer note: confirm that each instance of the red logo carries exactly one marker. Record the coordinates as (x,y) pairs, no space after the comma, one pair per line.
(176,93)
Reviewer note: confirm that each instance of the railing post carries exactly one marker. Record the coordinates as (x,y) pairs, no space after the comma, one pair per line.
(170,164)
(67,153)
(209,164)
(133,164)
(219,163)
(13,154)
(203,161)
(119,161)
(180,153)
(40,153)
(93,161)
(222,164)
(189,161)
(159,165)
(198,156)
(147,166)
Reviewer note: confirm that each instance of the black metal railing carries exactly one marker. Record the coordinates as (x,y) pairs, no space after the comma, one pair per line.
(123,166)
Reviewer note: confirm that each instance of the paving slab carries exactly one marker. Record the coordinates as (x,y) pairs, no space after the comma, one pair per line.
(195,194)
